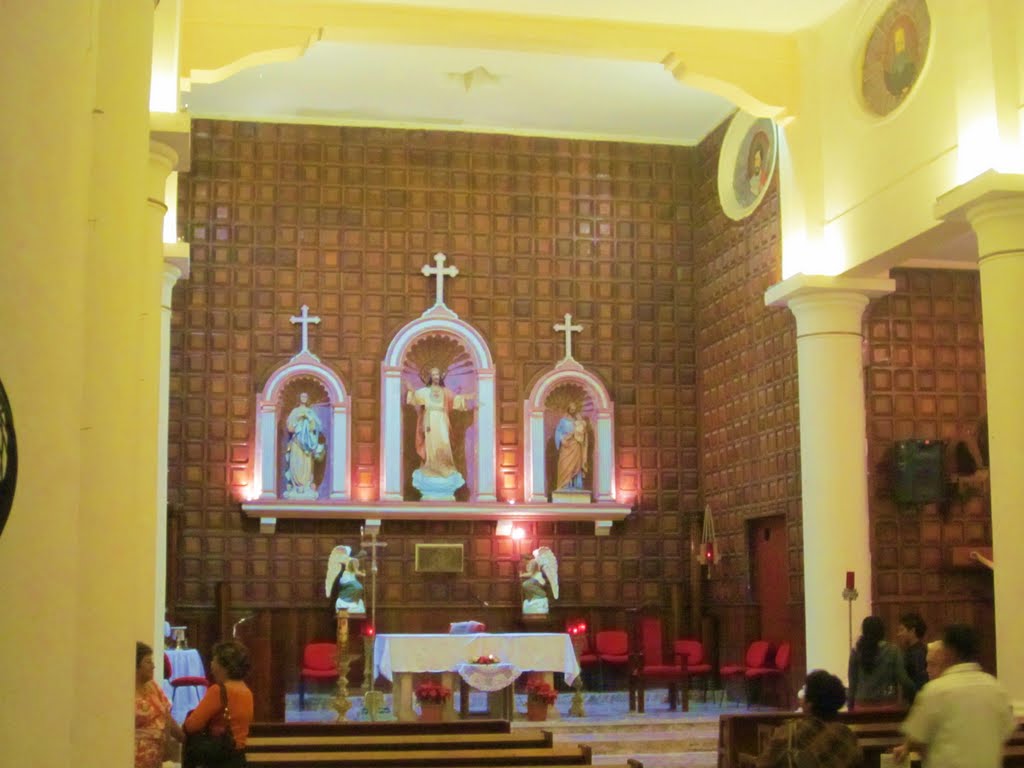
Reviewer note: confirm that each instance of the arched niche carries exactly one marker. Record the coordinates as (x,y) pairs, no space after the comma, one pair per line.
(539,419)
(439,327)
(304,372)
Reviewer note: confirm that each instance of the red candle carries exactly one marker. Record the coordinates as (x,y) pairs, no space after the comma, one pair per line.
(849,579)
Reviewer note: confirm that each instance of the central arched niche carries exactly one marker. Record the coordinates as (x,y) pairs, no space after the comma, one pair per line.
(447,354)
(438,339)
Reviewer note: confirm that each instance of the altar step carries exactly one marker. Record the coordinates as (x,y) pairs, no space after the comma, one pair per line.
(464,744)
(664,740)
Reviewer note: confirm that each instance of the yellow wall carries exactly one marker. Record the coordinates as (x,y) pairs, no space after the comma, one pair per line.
(75,558)
(869,183)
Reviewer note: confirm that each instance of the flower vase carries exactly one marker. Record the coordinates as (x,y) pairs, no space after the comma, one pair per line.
(536,711)
(431,712)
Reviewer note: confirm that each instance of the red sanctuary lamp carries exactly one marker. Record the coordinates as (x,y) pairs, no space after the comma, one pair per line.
(709,553)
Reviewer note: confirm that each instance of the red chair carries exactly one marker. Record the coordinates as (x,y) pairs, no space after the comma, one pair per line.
(691,655)
(319,662)
(774,672)
(611,647)
(651,666)
(185,681)
(756,658)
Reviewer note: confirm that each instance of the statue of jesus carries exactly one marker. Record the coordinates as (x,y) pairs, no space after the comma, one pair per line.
(437,476)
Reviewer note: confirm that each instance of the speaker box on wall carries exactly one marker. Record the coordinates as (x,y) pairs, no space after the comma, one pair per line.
(920,471)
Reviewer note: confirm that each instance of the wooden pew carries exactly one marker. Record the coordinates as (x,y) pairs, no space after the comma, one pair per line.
(743,735)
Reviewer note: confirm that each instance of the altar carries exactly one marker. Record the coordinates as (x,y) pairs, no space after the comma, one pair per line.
(399,657)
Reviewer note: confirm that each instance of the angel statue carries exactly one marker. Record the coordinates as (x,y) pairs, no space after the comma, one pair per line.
(541,571)
(343,574)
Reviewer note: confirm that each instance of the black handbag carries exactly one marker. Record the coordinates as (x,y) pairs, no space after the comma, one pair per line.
(204,750)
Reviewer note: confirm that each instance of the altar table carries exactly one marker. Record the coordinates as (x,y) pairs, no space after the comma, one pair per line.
(399,657)
(184,663)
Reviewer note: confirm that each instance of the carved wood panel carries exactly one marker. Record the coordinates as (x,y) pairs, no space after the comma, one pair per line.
(342,219)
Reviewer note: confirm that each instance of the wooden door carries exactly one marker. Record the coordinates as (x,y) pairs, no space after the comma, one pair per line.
(769,569)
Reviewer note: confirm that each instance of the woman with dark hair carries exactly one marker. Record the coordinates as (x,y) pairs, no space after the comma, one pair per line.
(817,738)
(877,672)
(153,721)
(226,705)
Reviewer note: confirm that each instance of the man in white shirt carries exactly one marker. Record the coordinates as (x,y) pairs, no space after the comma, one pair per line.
(962,718)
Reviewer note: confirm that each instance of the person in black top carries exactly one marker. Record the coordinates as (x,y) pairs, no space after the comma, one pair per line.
(910,636)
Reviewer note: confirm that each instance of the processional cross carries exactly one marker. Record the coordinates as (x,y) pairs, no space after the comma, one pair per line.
(569,328)
(441,271)
(305,319)
(373,700)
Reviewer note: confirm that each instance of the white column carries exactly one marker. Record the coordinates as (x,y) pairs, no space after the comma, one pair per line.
(486,437)
(605,455)
(162,160)
(993,203)
(535,458)
(340,474)
(833,460)
(391,407)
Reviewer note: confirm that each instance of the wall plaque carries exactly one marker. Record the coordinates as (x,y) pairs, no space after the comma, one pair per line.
(439,558)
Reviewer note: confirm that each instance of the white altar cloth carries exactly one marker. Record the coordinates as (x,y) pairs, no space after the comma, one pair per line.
(398,657)
(529,651)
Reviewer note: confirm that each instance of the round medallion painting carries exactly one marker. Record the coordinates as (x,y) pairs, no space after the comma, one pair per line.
(895,54)
(746,164)
(8,458)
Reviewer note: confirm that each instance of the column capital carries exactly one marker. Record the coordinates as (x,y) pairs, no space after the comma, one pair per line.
(824,304)
(993,204)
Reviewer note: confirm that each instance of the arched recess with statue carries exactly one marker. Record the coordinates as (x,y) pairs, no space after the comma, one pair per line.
(569,393)
(438,340)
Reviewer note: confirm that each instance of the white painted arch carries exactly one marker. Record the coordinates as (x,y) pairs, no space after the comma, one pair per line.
(437,320)
(535,441)
(268,419)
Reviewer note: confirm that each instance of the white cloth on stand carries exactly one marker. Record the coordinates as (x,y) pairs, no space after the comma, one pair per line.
(489,677)
(184,663)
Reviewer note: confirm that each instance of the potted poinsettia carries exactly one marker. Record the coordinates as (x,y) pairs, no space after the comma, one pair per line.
(539,696)
(432,696)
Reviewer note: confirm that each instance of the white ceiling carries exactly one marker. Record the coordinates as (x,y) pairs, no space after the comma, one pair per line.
(502,90)
(764,15)
(470,90)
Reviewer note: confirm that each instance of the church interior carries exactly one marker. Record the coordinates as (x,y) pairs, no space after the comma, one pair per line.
(771,259)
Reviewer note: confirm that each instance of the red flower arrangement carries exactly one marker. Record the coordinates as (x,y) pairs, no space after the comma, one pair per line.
(541,692)
(432,693)
(489,658)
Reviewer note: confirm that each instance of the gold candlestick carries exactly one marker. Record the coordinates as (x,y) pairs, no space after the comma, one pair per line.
(341,703)
(576,706)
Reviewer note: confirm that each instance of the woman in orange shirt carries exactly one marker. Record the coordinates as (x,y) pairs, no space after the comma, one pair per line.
(229,665)
(153,721)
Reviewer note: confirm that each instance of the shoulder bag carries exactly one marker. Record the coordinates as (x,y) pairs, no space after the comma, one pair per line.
(204,750)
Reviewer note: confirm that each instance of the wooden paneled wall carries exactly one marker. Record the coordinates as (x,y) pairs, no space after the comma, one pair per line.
(747,390)
(925,379)
(632,241)
(342,219)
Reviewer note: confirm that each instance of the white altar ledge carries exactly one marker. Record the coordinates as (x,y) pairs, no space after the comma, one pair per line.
(269,511)
(399,657)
